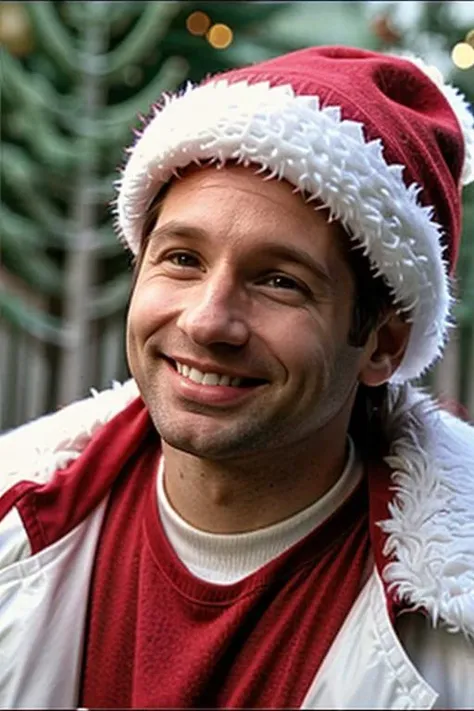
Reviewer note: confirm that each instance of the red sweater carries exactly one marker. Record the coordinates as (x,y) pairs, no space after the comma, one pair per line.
(159,637)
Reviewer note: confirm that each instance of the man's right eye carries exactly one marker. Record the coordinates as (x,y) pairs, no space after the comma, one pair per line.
(183,259)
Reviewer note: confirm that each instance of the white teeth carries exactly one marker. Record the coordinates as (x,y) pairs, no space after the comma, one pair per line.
(206,378)
(196,376)
(211,379)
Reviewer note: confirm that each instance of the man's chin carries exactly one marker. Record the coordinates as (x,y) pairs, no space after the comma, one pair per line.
(203,447)
(211,440)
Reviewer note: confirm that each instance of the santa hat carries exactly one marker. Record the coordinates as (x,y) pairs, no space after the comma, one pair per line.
(378,139)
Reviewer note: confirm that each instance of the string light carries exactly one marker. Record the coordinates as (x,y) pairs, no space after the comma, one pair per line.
(220,36)
(463,55)
(198,23)
(15,29)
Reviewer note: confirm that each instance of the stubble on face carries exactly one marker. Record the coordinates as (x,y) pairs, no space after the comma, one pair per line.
(263,430)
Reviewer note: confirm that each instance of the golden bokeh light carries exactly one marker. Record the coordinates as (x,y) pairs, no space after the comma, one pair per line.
(470,38)
(198,23)
(220,36)
(463,55)
(15,29)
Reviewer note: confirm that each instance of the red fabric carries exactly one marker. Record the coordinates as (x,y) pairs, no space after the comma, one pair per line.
(397,103)
(159,637)
(49,511)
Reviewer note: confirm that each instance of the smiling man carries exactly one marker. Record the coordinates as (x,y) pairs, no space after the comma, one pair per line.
(269,514)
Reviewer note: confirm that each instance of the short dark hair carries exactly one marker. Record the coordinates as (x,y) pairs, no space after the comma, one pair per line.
(372,298)
(151,218)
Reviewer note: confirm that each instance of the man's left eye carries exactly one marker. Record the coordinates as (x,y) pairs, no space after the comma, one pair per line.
(183,259)
(279,281)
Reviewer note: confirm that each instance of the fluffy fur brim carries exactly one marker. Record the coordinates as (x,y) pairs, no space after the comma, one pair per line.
(323,156)
(430,532)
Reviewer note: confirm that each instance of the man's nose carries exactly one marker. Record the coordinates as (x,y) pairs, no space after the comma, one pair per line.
(214,312)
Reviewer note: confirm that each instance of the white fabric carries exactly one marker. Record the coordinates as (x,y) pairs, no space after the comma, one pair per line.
(11,531)
(366,666)
(43,603)
(433,651)
(225,559)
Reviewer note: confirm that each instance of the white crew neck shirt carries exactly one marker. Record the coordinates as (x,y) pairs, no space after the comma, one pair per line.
(227,558)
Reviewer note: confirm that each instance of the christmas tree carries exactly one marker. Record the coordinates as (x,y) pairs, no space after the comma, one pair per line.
(76,76)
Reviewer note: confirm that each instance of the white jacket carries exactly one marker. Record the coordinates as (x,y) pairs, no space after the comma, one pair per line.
(427,662)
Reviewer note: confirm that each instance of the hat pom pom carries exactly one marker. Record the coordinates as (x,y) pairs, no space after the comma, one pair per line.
(461,109)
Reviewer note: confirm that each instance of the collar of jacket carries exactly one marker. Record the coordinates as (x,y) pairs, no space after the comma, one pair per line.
(429,532)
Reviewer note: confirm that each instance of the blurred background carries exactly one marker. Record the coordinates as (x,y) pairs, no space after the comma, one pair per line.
(75,79)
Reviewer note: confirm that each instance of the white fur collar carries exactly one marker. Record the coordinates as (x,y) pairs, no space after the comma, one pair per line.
(430,532)
(431,525)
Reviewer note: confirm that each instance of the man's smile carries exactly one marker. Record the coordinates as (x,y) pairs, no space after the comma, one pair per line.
(207,387)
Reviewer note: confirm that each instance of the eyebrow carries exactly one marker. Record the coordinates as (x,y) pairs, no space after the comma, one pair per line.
(289,253)
(174,228)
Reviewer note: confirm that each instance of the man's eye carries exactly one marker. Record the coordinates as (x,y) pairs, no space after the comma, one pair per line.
(183,259)
(279,281)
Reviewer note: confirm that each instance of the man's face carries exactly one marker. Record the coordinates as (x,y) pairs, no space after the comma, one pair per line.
(244,280)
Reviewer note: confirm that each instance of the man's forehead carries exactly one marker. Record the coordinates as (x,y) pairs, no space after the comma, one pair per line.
(249,177)
(255,190)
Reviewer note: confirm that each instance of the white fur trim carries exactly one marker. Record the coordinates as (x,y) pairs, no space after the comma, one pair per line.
(460,108)
(431,525)
(37,449)
(318,152)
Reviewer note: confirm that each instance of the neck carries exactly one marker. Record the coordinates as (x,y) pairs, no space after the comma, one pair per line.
(255,491)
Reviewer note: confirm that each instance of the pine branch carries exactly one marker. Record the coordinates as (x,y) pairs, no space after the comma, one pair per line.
(33,266)
(148,33)
(23,176)
(26,231)
(55,39)
(34,322)
(110,298)
(119,116)
(34,92)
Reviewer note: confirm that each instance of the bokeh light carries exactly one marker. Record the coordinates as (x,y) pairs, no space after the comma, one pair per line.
(15,29)
(220,36)
(198,23)
(463,55)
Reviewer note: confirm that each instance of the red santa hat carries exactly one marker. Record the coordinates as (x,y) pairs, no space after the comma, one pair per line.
(379,139)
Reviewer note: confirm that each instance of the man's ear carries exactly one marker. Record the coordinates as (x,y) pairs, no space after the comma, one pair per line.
(384,350)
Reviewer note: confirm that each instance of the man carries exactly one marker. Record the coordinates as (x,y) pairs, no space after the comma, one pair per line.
(269,514)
